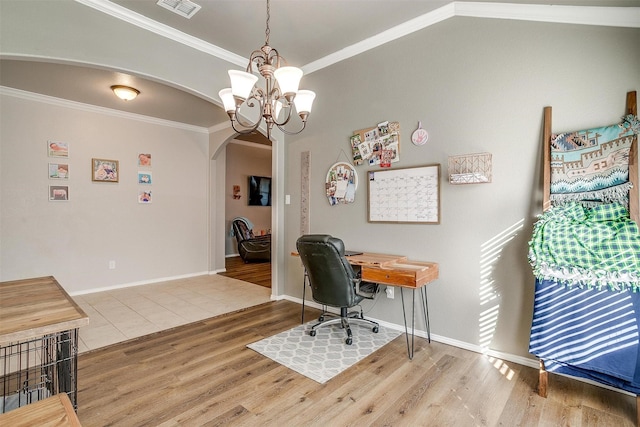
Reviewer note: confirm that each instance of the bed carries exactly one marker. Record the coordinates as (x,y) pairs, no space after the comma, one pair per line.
(585,256)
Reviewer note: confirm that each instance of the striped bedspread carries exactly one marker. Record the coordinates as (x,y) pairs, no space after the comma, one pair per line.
(588,333)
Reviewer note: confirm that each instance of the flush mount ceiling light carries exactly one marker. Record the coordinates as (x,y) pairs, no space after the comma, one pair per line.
(125,93)
(279,96)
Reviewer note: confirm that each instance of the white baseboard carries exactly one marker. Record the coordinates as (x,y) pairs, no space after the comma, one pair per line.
(533,363)
(524,361)
(132,284)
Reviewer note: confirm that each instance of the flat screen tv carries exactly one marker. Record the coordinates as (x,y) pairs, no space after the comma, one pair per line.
(259,191)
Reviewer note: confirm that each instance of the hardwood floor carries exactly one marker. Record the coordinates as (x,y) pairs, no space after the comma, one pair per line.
(258,273)
(203,374)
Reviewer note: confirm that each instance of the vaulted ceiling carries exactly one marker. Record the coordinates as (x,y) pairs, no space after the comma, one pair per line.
(311,34)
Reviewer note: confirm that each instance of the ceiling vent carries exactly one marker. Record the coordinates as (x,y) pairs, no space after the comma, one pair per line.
(184,8)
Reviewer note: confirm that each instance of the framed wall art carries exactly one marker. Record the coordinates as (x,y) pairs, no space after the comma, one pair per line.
(144,177)
(58,193)
(58,149)
(144,159)
(144,197)
(58,171)
(104,170)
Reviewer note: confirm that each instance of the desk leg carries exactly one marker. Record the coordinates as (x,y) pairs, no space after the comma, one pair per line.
(425,311)
(410,346)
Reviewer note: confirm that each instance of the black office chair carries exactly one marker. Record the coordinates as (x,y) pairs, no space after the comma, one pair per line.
(334,282)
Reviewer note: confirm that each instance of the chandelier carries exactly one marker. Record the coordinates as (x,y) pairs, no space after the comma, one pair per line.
(276,99)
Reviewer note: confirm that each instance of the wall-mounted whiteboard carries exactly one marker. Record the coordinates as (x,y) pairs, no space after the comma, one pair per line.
(405,195)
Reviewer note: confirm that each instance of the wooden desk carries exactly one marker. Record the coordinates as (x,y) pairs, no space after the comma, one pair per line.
(394,270)
(38,335)
(397,270)
(53,411)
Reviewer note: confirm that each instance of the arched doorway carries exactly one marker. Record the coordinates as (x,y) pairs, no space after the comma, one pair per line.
(218,229)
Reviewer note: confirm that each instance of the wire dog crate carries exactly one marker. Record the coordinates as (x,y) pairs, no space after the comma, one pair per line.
(39,325)
(35,369)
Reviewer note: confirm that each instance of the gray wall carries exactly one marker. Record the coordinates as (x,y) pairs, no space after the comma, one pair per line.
(476,85)
(75,240)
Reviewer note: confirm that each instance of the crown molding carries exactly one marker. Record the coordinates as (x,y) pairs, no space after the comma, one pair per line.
(251,144)
(51,100)
(220,126)
(580,15)
(438,15)
(163,30)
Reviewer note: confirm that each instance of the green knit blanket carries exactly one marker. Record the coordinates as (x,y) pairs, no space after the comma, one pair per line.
(597,247)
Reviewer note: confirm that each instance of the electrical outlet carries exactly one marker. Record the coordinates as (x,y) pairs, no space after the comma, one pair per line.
(389,292)
(112,265)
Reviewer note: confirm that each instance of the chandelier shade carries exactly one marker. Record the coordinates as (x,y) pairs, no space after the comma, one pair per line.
(226,95)
(288,79)
(242,83)
(304,101)
(278,98)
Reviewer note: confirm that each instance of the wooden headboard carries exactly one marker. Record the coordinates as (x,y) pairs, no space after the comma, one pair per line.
(632,108)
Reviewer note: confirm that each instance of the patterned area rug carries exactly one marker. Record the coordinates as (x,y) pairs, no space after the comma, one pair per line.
(326,355)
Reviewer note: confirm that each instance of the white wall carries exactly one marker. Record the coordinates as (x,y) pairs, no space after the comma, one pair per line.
(245,159)
(75,240)
(476,85)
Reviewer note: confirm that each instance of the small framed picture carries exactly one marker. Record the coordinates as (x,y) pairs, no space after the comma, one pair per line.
(58,193)
(58,149)
(144,197)
(144,177)
(144,159)
(58,171)
(104,170)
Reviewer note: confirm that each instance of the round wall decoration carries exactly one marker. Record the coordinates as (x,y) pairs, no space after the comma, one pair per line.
(341,183)
(419,136)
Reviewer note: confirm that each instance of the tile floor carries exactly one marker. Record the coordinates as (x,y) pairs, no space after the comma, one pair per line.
(122,314)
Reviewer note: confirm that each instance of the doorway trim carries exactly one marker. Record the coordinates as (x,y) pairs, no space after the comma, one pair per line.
(218,140)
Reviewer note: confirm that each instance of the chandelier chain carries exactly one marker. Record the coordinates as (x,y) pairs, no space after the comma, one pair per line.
(268,30)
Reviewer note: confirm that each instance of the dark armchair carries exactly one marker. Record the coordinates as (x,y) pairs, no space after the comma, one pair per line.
(250,247)
(334,282)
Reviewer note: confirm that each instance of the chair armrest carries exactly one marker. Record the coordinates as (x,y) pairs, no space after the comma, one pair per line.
(256,244)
